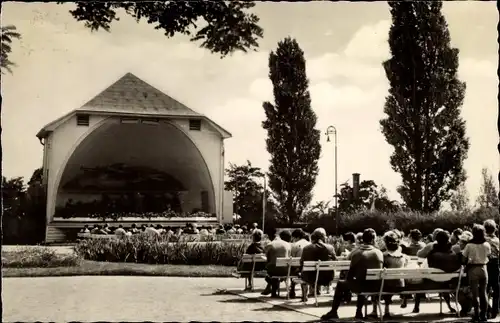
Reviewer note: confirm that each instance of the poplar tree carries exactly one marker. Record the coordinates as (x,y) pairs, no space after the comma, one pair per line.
(292,137)
(422,109)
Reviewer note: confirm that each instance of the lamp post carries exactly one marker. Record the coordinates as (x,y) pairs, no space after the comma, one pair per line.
(331,130)
(264,202)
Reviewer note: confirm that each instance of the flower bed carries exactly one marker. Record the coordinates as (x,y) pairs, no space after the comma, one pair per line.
(153,250)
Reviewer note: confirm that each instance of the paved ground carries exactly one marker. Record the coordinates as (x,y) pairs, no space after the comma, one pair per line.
(166,299)
(88,299)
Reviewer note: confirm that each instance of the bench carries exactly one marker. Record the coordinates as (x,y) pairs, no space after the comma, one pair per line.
(250,259)
(318,266)
(291,262)
(433,274)
(95,236)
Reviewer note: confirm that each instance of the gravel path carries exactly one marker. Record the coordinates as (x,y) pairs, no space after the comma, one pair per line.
(133,299)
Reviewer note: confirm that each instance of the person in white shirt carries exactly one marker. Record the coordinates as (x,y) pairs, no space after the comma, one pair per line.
(476,254)
(298,244)
(120,232)
(150,230)
(204,232)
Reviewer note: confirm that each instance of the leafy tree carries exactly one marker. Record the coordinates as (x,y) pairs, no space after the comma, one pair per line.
(369,194)
(226,25)
(423,121)
(488,196)
(248,192)
(8,33)
(459,200)
(292,139)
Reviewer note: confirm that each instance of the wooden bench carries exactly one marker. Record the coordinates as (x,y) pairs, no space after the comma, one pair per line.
(250,259)
(432,274)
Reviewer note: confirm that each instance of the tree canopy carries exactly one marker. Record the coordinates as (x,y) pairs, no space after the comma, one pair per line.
(423,121)
(8,34)
(223,27)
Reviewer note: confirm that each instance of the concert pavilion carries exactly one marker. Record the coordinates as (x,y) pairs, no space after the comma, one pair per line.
(136,152)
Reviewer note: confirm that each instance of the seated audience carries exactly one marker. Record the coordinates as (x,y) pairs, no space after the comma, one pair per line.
(476,254)
(318,249)
(365,257)
(277,248)
(393,258)
(231,230)
(493,266)
(85,229)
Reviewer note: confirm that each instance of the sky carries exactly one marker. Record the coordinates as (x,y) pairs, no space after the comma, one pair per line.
(61,65)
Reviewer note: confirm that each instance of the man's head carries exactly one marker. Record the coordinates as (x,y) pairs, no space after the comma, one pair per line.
(255,225)
(297,234)
(272,233)
(134,226)
(285,235)
(490,226)
(391,240)
(415,235)
(257,235)
(455,235)
(120,226)
(349,238)
(86,226)
(442,238)
(359,238)
(318,235)
(369,236)
(434,234)
(464,238)
(478,233)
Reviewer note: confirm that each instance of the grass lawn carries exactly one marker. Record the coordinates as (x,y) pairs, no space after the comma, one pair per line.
(92,268)
(40,262)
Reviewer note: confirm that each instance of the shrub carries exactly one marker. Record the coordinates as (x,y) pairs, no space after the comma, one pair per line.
(38,257)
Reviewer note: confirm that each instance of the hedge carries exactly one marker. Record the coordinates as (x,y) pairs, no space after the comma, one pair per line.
(405,221)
